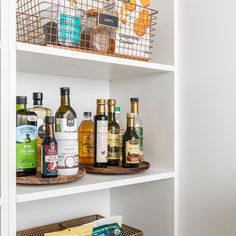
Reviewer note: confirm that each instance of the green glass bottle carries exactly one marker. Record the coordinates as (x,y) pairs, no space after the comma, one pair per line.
(130,144)
(26,139)
(113,135)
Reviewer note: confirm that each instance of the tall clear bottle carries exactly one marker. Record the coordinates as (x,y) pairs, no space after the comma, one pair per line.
(119,122)
(26,135)
(138,125)
(66,136)
(113,135)
(86,140)
(41,112)
(100,135)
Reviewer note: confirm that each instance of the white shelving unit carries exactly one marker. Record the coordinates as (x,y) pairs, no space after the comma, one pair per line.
(146,200)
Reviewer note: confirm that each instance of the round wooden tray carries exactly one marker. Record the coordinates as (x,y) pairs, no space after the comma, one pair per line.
(38,180)
(116,170)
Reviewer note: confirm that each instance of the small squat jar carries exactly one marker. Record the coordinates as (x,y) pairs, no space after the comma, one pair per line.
(95,37)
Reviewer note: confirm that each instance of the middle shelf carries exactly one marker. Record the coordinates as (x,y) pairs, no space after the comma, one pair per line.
(90,183)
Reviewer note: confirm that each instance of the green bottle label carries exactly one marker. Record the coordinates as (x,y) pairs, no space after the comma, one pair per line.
(26,145)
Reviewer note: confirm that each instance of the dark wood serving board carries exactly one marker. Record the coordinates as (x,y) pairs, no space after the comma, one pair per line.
(38,180)
(116,170)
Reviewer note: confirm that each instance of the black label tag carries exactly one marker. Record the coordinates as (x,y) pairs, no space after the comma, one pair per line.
(108,20)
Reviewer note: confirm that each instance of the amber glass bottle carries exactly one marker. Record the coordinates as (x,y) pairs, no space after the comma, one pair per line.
(86,140)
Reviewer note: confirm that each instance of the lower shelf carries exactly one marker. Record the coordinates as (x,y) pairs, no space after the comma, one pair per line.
(91,182)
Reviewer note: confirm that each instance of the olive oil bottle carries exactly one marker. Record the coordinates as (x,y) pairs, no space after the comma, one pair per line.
(26,139)
(66,136)
(66,120)
(130,144)
(138,125)
(41,113)
(86,140)
(100,135)
(49,152)
(113,135)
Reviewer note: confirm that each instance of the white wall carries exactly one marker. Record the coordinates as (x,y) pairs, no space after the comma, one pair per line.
(207,117)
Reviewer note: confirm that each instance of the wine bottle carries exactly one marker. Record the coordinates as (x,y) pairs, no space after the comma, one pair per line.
(113,135)
(130,144)
(49,152)
(100,135)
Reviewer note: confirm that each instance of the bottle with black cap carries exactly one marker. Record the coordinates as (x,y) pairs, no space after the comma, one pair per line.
(26,139)
(49,152)
(41,112)
(86,140)
(66,135)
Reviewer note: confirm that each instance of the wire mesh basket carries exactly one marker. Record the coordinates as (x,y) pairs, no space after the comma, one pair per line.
(122,28)
(40,231)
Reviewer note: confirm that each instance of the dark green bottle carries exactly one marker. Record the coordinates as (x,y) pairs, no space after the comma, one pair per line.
(113,135)
(26,139)
(49,150)
(100,135)
(130,144)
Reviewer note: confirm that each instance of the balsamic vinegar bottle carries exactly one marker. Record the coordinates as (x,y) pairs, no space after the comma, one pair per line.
(130,144)
(113,135)
(49,151)
(100,135)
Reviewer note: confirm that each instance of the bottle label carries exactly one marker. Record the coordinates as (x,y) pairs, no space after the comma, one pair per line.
(102,127)
(32,118)
(67,157)
(114,144)
(132,151)
(139,132)
(86,147)
(67,127)
(49,159)
(26,146)
(41,128)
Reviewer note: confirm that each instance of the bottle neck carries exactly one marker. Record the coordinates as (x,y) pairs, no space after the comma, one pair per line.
(49,131)
(134,108)
(38,103)
(130,123)
(87,118)
(20,107)
(101,109)
(65,100)
(111,113)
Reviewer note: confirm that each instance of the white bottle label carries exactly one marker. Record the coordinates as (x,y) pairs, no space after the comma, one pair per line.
(102,136)
(66,128)
(67,158)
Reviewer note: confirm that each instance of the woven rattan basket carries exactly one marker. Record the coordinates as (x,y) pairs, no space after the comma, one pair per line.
(40,231)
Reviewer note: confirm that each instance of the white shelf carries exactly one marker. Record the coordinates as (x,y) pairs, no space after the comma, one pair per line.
(87,184)
(54,61)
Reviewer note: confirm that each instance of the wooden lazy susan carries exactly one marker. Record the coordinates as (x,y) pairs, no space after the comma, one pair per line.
(116,170)
(38,180)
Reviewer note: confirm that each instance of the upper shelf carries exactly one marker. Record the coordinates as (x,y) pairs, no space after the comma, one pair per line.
(90,183)
(54,61)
